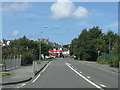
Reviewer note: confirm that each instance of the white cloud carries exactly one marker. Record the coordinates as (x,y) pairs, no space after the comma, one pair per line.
(84,24)
(81,12)
(112,26)
(15,33)
(97,12)
(15,7)
(66,9)
(62,10)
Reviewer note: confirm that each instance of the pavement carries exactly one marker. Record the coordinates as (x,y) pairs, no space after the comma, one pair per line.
(21,74)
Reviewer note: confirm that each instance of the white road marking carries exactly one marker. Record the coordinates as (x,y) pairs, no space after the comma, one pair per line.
(88,77)
(102,85)
(23,84)
(17,87)
(41,72)
(80,72)
(36,78)
(84,77)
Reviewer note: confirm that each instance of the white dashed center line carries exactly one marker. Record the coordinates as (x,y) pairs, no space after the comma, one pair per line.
(97,86)
(102,85)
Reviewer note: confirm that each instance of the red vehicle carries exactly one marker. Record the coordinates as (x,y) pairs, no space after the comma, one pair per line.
(72,56)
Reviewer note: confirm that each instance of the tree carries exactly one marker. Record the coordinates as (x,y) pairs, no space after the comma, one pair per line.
(28,49)
(86,46)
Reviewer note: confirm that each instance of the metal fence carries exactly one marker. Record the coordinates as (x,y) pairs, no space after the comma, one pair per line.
(9,64)
(107,57)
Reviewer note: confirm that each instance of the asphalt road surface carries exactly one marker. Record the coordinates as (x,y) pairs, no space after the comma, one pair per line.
(68,73)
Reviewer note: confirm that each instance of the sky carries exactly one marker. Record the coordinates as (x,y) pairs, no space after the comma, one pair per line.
(64,20)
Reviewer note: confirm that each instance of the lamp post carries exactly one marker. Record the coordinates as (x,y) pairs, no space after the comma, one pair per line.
(40,44)
(40,48)
(110,43)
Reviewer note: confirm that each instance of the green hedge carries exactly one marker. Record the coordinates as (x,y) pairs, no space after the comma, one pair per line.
(26,59)
(113,61)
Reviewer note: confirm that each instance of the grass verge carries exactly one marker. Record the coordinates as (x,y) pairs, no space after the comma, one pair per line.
(4,74)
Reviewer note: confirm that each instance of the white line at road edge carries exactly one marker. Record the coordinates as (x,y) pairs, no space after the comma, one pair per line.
(102,85)
(84,77)
(41,72)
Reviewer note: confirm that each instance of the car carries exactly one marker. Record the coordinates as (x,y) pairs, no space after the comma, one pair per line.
(51,56)
(72,56)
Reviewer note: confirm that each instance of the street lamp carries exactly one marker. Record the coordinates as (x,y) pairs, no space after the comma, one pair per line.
(40,48)
(40,45)
(110,43)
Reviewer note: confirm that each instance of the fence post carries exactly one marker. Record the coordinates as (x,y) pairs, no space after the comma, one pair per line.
(20,61)
(4,65)
(33,67)
(11,61)
(14,62)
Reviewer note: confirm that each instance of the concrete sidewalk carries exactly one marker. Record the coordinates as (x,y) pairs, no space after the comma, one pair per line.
(23,73)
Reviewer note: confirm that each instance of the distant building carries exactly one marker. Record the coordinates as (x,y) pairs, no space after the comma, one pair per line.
(66,52)
(44,40)
(4,42)
(59,52)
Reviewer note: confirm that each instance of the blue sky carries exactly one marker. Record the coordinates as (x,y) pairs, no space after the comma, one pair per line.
(64,20)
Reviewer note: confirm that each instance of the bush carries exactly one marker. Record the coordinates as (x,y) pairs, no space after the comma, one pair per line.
(86,57)
(101,60)
(114,62)
(26,59)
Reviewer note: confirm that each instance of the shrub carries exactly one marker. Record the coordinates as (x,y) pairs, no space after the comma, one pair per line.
(86,56)
(101,60)
(26,59)
(114,62)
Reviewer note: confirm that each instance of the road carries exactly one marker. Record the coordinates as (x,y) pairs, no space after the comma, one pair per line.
(68,73)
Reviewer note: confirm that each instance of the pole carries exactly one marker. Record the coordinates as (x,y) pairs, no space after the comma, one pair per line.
(20,61)
(40,44)
(33,68)
(109,45)
(13,63)
(40,50)
(98,53)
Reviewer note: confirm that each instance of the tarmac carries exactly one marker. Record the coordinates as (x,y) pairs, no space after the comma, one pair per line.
(102,66)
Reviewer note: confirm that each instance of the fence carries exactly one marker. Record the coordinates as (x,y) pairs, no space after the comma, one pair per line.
(9,64)
(107,57)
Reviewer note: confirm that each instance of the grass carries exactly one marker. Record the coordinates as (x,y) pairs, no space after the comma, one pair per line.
(44,60)
(79,60)
(37,61)
(27,65)
(82,60)
(4,74)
